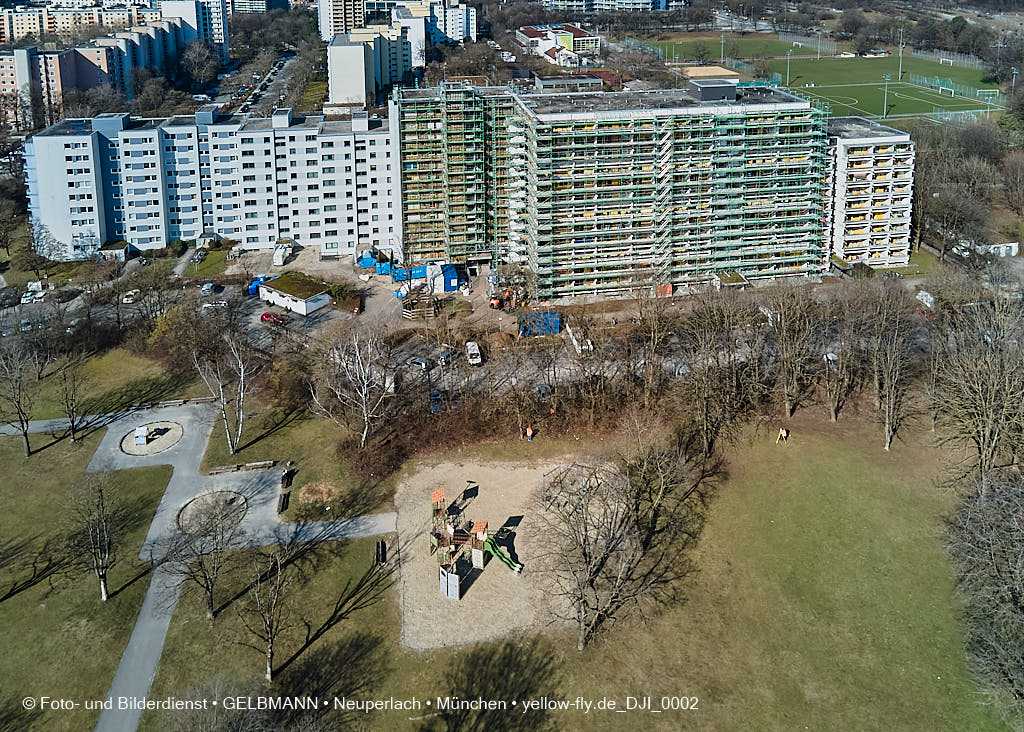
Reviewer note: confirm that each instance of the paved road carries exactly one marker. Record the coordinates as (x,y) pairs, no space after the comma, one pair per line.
(260,527)
(183,261)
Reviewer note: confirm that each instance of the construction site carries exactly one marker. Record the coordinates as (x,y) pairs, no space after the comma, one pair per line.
(615,192)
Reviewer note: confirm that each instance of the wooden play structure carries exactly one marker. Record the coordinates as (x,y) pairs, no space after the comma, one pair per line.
(449,538)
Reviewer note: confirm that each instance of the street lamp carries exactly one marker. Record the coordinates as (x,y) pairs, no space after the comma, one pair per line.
(789,53)
(1013,79)
(819,45)
(885,96)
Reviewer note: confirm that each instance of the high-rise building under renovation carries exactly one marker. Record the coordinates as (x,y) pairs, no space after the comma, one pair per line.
(607,192)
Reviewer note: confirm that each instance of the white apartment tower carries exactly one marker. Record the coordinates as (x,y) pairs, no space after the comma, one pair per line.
(340,16)
(870,180)
(332,185)
(205,19)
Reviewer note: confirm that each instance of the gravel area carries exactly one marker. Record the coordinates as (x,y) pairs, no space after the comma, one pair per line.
(498,603)
(162,436)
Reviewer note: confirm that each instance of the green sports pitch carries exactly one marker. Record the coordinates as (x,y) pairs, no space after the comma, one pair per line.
(855,86)
(866,99)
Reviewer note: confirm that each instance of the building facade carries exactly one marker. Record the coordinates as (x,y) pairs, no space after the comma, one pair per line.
(340,16)
(870,186)
(18,23)
(332,185)
(606,192)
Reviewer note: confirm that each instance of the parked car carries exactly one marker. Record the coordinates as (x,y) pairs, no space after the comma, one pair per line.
(129,297)
(25,326)
(420,363)
(215,304)
(144,262)
(207,289)
(8,297)
(473,353)
(274,318)
(447,356)
(27,297)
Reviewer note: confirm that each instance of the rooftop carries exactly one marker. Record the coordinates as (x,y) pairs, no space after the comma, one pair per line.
(854,127)
(244,122)
(590,102)
(297,285)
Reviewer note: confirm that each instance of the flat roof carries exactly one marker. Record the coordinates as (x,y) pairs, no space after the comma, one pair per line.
(859,127)
(297,285)
(569,77)
(244,122)
(640,101)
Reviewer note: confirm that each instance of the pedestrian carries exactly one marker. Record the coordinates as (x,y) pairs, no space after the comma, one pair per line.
(529,434)
(783,435)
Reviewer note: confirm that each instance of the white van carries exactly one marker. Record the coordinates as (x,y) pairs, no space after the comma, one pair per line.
(130,297)
(473,353)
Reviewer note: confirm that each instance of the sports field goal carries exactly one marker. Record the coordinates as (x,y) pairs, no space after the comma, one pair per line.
(947,90)
(946,61)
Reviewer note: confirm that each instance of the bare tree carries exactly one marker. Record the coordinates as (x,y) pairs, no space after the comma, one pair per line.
(228,366)
(17,382)
(266,614)
(979,376)
(890,337)
(1013,182)
(790,312)
(620,535)
(841,326)
(986,541)
(71,380)
(355,373)
(93,509)
(200,552)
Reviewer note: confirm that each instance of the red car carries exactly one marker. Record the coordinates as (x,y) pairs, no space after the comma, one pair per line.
(274,318)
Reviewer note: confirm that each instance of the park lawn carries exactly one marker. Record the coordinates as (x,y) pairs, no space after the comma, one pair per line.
(313,95)
(115,380)
(824,600)
(350,658)
(683,45)
(214,264)
(922,263)
(310,442)
(62,641)
(845,71)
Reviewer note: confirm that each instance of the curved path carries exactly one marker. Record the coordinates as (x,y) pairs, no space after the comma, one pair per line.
(261,527)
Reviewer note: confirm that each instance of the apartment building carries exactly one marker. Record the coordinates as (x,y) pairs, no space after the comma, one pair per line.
(870,187)
(369,60)
(332,185)
(18,23)
(340,16)
(604,192)
(563,44)
(205,20)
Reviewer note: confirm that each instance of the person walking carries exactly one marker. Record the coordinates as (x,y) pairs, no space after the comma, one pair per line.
(783,435)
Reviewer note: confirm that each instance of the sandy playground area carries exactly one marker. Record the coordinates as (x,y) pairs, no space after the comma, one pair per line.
(497,603)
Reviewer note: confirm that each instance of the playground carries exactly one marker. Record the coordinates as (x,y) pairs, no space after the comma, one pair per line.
(500,600)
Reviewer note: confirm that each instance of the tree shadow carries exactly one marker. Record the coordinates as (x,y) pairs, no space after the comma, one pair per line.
(288,418)
(128,397)
(357,595)
(509,671)
(145,571)
(34,564)
(14,715)
(350,667)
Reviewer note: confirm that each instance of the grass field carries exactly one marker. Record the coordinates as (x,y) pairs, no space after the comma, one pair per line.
(824,600)
(115,380)
(683,45)
(214,264)
(854,86)
(58,639)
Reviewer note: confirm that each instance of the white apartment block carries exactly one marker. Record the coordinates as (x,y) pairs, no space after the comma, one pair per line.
(453,21)
(332,185)
(340,16)
(351,79)
(206,20)
(870,180)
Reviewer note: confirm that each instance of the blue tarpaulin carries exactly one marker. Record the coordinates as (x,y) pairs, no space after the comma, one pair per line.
(539,323)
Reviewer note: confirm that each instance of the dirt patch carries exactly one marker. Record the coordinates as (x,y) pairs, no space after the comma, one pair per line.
(498,603)
(160,436)
(318,492)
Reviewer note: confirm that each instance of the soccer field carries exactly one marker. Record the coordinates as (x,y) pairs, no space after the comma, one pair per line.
(866,99)
(683,45)
(829,71)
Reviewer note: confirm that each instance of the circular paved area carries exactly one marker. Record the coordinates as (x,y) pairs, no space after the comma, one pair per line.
(225,508)
(162,436)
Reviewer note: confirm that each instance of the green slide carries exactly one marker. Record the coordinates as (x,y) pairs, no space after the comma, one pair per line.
(490,546)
